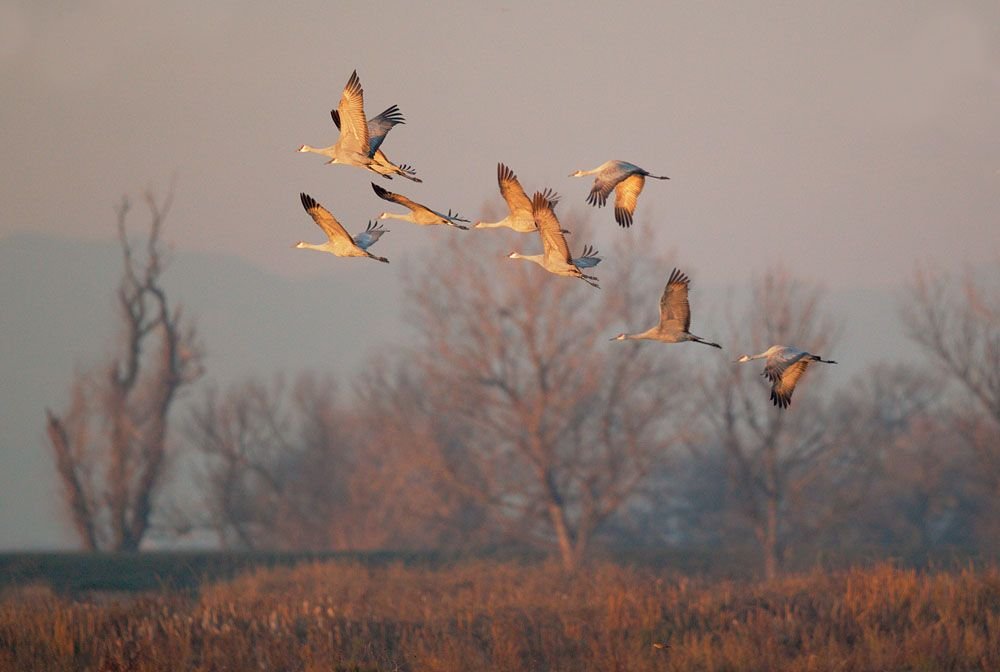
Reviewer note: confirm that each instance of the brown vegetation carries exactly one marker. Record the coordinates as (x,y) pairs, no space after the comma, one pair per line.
(509,616)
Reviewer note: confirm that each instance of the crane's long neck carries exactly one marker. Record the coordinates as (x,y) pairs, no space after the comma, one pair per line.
(649,334)
(491,225)
(537,258)
(324,151)
(322,247)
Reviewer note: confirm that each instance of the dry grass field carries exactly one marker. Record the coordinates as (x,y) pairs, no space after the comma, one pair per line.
(497,616)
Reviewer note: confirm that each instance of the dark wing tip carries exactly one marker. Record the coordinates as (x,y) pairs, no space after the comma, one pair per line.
(781,400)
(307,201)
(678,278)
(380,192)
(394,115)
(539,201)
(353,82)
(504,173)
(623,217)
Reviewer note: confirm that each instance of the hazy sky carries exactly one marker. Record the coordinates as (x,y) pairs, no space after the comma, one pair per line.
(846,140)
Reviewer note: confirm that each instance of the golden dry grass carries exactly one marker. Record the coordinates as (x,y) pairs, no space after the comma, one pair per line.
(508,616)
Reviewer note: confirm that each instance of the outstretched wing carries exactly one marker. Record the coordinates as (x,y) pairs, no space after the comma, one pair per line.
(603,184)
(626,195)
(784,384)
(674,302)
(395,198)
(369,236)
(553,240)
(588,258)
(380,125)
(324,219)
(777,362)
(351,109)
(512,192)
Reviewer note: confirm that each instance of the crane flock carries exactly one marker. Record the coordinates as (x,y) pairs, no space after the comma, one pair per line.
(360,143)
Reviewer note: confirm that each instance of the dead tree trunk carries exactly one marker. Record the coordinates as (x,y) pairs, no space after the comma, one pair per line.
(110,446)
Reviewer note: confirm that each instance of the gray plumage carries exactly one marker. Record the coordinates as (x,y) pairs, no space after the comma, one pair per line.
(370,235)
(587,259)
(784,367)
(626,179)
(675,316)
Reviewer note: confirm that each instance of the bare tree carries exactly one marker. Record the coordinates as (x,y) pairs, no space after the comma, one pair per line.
(535,415)
(270,466)
(111,445)
(957,323)
(776,457)
(287,467)
(958,326)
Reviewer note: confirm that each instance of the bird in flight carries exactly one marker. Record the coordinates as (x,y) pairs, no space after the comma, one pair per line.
(675,316)
(519,216)
(555,257)
(626,179)
(784,367)
(419,214)
(353,147)
(378,127)
(339,242)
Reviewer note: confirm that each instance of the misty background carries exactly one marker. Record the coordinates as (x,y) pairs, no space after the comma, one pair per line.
(848,143)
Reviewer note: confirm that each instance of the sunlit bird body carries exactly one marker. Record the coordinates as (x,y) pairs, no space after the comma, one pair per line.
(370,235)
(353,145)
(519,216)
(627,181)
(675,316)
(783,367)
(419,214)
(555,257)
(378,127)
(339,242)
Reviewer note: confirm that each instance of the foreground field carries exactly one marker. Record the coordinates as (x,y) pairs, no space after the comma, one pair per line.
(508,616)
